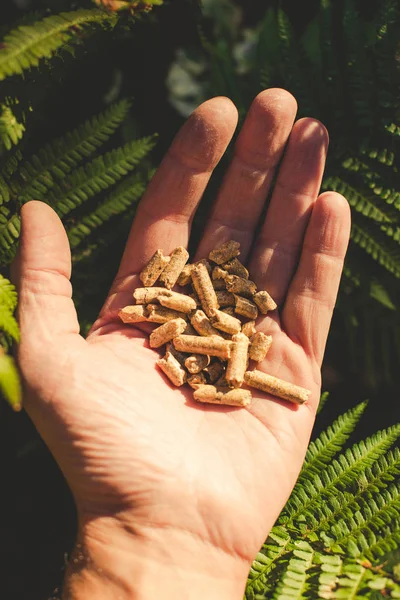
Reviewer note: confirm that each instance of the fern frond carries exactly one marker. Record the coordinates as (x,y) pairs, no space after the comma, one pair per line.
(389,540)
(323,400)
(374,246)
(11,130)
(59,157)
(337,475)
(8,294)
(353,535)
(322,450)
(357,200)
(9,235)
(8,324)
(10,385)
(123,198)
(266,560)
(102,173)
(24,47)
(293,583)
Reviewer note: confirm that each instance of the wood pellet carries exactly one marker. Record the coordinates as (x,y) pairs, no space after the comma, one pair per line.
(208,326)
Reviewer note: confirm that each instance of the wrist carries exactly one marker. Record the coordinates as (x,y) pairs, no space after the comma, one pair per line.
(113,562)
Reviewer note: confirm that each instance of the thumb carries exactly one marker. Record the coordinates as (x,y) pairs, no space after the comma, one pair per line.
(41,273)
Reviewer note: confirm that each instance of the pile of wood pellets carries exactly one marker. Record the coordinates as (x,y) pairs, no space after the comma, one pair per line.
(209,333)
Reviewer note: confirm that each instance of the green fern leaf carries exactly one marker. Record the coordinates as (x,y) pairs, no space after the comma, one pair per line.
(11,130)
(60,156)
(322,450)
(276,546)
(323,400)
(124,197)
(9,235)
(8,294)
(99,175)
(8,324)
(10,385)
(293,583)
(376,248)
(356,199)
(24,47)
(389,540)
(358,532)
(336,476)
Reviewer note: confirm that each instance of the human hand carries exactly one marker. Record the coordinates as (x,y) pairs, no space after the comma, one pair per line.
(175,497)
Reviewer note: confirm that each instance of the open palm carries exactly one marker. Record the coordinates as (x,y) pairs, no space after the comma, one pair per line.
(131,446)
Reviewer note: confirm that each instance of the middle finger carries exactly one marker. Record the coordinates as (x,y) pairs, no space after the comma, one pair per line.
(244,190)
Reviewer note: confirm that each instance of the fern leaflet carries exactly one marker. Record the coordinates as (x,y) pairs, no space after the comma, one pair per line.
(10,385)
(99,175)
(123,197)
(60,156)
(8,294)
(322,450)
(25,46)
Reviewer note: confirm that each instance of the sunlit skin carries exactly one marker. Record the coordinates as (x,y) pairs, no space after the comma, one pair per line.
(174,497)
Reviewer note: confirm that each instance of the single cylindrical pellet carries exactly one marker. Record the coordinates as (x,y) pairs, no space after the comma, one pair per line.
(172,369)
(133,314)
(214,371)
(245,307)
(260,344)
(238,285)
(235,267)
(202,324)
(276,387)
(165,333)
(186,276)
(180,356)
(237,397)
(219,285)
(225,299)
(178,260)
(160,314)
(147,295)
(203,286)
(225,252)
(264,302)
(196,380)
(154,268)
(249,329)
(218,273)
(210,395)
(207,265)
(197,362)
(237,364)
(179,302)
(213,346)
(225,322)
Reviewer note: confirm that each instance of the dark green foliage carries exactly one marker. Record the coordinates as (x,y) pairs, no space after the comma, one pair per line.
(343,69)
(24,47)
(340,523)
(64,172)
